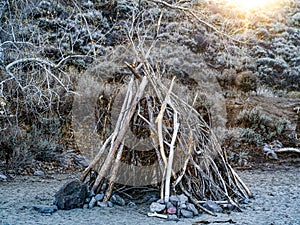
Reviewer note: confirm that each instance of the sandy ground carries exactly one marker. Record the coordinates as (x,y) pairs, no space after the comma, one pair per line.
(276,190)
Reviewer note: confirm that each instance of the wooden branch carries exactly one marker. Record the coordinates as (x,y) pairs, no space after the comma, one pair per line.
(121,133)
(114,172)
(186,160)
(171,156)
(287,150)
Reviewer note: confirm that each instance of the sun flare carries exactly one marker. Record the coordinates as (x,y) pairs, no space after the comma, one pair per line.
(254,4)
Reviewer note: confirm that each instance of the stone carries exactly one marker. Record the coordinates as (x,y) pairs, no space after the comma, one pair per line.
(172,210)
(173,217)
(191,207)
(182,199)
(102,204)
(71,195)
(110,204)
(157,207)
(3,177)
(39,173)
(182,206)
(92,203)
(186,213)
(160,201)
(131,204)
(45,208)
(99,197)
(212,206)
(174,200)
(229,207)
(169,205)
(117,200)
(87,200)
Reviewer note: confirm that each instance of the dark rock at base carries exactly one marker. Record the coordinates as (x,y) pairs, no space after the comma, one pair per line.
(186,213)
(45,208)
(117,200)
(71,195)
(212,206)
(191,207)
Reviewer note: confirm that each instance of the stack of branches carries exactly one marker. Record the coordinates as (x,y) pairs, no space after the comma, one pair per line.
(189,158)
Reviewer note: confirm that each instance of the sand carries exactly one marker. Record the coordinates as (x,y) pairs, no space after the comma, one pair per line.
(276,189)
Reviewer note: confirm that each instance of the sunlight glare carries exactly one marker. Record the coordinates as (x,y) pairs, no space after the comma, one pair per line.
(254,4)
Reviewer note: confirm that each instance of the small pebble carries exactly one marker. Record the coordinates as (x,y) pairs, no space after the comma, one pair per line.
(99,197)
(110,204)
(131,204)
(45,208)
(38,173)
(102,204)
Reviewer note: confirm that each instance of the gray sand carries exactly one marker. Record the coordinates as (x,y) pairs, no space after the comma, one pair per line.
(276,201)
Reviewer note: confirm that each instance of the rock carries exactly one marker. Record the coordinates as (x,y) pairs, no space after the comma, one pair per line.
(110,204)
(131,204)
(173,218)
(182,206)
(172,210)
(81,161)
(99,197)
(117,200)
(229,207)
(160,201)
(169,205)
(212,206)
(39,173)
(92,203)
(157,207)
(3,177)
(174,200)
(191,207)
(182,199)
(102,204)
(71,195)
(87,200)
(45,208)
(186,213)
